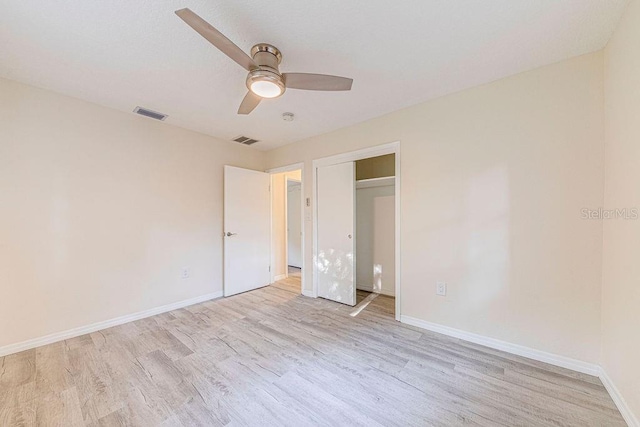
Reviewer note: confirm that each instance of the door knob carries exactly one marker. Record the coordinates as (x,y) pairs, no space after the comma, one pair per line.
(229,234)
(349,236)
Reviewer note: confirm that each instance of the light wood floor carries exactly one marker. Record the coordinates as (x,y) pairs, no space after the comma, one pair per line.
(273,357)
(294,271)
(291,283)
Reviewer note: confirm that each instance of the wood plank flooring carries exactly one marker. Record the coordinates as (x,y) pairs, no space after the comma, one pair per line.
(273,357)
(291,283)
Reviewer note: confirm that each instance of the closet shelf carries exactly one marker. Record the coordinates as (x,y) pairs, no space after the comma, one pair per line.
(376,182)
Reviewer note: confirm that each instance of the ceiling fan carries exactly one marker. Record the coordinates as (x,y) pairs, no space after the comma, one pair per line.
(264,79)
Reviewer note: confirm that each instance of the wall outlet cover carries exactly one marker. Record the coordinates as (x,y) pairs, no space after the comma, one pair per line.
(441,288)
(185,274)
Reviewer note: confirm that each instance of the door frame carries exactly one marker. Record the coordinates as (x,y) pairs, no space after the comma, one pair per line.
(287,180)
(289,168)
(365,153)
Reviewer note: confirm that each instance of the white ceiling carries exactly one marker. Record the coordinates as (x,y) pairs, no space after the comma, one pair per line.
(124,53)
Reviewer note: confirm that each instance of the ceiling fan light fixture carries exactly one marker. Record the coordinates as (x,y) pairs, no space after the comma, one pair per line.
(266,89)
(265,84)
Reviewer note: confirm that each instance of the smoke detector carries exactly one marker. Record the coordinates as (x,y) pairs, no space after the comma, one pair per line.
(287,117)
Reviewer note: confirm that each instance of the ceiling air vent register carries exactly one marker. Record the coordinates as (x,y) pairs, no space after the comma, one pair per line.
(245,140)
(149,113)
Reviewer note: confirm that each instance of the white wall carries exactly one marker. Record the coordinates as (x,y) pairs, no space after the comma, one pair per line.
(375,239)
(294,224)
(493,182)
(100,210)
(621,268)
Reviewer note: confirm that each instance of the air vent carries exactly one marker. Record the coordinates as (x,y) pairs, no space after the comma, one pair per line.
(149,113)
(245,140)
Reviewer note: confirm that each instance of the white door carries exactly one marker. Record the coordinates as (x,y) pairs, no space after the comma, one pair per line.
(294,225)
(247,230)
(336,233)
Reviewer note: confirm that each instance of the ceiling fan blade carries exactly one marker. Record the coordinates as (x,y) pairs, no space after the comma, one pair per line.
(249,103)
(316,82)
(216,38)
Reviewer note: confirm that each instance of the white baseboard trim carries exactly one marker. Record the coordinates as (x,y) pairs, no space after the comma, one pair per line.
(541,356)
(279,277)
(624,409)
(520,350)
(307,293)
(75,332)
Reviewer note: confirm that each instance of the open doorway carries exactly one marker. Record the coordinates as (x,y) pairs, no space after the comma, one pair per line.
(294,227)
(287,228)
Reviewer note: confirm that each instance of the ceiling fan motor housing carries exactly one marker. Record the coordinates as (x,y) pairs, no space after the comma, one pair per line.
(267,57)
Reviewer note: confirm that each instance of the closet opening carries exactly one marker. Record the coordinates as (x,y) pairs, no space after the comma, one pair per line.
(375,229)
(356,229)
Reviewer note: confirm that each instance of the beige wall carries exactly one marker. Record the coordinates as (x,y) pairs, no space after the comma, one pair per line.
(279,220)
(376,167)
(621,267)
(100,210)
(493,182)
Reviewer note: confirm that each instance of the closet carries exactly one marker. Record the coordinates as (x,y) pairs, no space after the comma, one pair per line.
(355,229)
(375,224)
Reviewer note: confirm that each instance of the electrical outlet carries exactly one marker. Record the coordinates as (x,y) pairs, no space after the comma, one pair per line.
(441,288)
(185,273)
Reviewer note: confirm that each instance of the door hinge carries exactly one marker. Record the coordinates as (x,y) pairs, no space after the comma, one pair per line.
(269,269)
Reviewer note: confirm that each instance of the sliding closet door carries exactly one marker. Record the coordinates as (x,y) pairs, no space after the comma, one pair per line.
(336,233)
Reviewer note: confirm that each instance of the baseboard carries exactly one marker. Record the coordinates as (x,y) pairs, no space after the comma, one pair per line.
(279,277)
(541,356)
(307,293)
(75,332)
(624,409)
